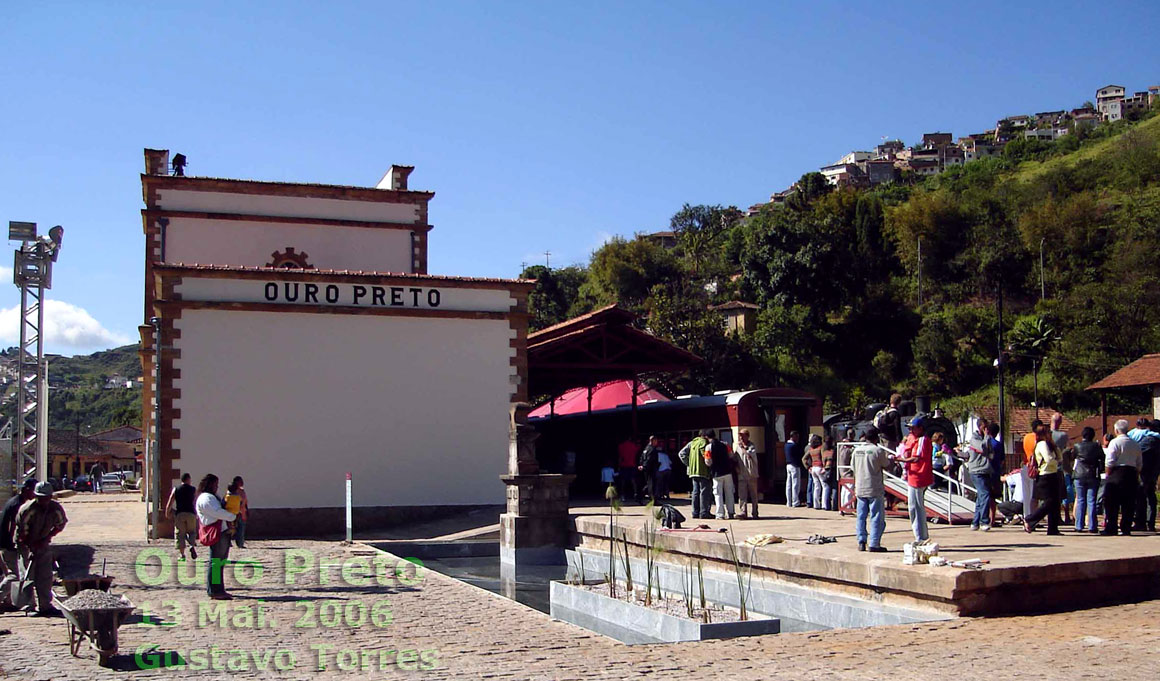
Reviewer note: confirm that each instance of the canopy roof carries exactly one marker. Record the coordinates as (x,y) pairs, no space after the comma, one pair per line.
(1143,372)
(604,396)
(598,347)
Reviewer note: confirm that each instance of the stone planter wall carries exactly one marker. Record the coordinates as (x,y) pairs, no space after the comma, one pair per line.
(631,623)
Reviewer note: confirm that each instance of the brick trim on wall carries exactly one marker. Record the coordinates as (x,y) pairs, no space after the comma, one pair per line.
(154,213)
(303,190)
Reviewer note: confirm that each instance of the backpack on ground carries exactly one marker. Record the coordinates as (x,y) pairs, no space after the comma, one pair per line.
(671,517)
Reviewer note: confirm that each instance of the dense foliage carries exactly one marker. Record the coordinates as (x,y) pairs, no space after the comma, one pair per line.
(836,274)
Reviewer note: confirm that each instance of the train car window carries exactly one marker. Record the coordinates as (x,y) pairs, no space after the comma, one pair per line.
(726,435)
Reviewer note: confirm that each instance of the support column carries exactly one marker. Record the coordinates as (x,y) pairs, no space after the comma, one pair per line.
(535,528)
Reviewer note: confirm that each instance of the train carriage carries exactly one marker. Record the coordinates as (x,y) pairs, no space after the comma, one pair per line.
(583,443)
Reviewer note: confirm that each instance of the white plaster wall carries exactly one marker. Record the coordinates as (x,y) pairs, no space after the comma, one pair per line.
(254,291)
(416,409)
(250,244)
(286,206)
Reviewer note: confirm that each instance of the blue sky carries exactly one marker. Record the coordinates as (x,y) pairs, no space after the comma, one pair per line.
(540,126)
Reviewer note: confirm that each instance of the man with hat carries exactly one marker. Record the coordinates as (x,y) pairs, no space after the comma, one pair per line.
(916,455)
(38,521)
(9,559)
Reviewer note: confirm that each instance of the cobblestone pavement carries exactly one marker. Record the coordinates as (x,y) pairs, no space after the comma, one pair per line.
(467,633)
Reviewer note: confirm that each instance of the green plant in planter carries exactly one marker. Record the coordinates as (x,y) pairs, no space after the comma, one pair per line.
(613,508)
(744,576)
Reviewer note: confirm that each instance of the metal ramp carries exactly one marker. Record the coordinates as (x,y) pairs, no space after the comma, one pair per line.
(951,505)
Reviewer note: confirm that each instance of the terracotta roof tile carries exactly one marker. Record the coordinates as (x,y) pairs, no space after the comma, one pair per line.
(1144,371)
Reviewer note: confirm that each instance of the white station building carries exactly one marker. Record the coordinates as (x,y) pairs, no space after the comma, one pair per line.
(301,338)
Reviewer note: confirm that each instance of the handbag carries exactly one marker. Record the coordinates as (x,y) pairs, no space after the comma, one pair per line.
(1033,468)
(208,535)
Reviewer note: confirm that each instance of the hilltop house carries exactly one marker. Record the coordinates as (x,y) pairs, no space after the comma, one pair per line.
(1110,101)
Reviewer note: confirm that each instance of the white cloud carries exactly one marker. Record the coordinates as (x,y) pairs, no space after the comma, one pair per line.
(66,327)
(6,274)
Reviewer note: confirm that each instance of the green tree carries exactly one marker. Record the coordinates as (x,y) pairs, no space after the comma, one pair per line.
(556,294)
(699,230)
(624,271)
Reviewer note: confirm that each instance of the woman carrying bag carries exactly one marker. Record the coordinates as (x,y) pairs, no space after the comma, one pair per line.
(1048,482)
(210,515)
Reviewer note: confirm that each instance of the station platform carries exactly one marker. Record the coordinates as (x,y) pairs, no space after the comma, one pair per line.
(1025,573)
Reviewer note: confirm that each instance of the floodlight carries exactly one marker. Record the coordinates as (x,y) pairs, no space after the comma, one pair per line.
(21,231)
(56,236)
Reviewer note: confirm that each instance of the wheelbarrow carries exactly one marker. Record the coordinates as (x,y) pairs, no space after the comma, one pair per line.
(98,627)
(75,585)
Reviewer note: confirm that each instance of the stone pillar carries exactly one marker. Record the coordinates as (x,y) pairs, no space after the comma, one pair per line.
(1156,401)
(535,528)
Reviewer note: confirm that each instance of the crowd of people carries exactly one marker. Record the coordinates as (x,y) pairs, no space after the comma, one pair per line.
(201,517)
(1056,476)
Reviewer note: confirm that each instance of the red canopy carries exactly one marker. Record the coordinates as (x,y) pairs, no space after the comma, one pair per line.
(604,396)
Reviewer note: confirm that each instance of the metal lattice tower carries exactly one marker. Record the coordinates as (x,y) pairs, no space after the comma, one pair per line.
(33,274)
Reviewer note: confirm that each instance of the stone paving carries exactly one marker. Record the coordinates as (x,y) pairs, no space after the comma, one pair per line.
(463,632)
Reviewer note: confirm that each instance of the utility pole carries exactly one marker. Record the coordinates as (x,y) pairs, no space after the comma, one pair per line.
(33,276)
(548,259)
(1000,365)
(1043,283)
(920,271)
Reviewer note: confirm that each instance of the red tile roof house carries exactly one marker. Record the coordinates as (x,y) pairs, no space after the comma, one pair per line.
(1144,372)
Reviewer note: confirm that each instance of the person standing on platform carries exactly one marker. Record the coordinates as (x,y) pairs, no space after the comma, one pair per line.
(1030,440)
(998,467)
(891,423)
(626,454)
(721,464)
(693,456)
(1124,462)
(181,504)
(869,461)
(37,522)
(1048,483)
(664,472)
(978,457)
(916,456)
(812,460)
(793,470)
(1066,460)
(1149,472)
(647,467)
(1089,459)
(9,557)
(747,475)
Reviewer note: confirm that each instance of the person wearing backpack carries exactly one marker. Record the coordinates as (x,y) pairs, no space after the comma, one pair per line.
(888,422)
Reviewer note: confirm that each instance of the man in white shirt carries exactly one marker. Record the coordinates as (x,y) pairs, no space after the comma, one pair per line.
(1123,465)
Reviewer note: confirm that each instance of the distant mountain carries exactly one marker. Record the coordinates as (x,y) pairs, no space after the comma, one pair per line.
(88,390)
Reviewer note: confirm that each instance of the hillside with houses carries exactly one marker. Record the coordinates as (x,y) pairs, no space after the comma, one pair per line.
(893,161)
(884,271)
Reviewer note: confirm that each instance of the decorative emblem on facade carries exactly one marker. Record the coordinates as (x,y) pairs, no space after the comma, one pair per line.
(290,260)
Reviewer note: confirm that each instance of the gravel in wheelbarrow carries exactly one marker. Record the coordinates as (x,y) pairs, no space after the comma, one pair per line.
(93,599)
